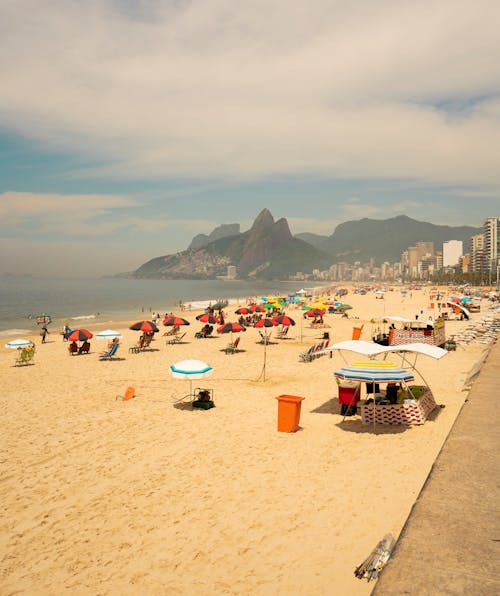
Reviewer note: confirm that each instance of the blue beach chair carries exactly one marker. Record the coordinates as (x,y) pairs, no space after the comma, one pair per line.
(110,354)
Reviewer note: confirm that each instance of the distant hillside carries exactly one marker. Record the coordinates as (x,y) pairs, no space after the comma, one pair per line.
(266,251)
(201,240)
(386,239)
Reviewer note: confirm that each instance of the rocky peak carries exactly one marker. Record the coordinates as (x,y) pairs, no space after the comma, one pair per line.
(263,238)
(263,221)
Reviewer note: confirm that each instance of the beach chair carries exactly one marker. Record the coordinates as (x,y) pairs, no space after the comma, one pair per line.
(232,348)
(72,349)
(109,355)
(173,331)
(129,394)
(308,355)
(282,333)
(26,356)
(146,343)
(265,338)
(176,339)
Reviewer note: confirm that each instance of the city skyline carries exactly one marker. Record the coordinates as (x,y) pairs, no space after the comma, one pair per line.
(128,128)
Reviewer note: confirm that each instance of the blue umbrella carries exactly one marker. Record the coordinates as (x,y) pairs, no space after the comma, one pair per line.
(379,372)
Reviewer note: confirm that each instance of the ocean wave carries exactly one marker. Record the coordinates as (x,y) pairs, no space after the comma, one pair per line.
(9,332)
(83,317)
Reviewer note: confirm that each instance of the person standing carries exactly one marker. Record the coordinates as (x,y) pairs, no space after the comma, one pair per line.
(44,333)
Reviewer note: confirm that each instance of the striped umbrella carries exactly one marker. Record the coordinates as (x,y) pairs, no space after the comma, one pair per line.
(284,320)
(108,334)
(80,335)
(190,369)
(175,322)
(146,326)
(18,343)
(208,318)
(374,371)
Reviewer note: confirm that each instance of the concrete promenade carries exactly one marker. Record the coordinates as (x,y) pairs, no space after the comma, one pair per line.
(451,541)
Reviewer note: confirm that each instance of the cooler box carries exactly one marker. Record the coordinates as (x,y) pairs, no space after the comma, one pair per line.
(349,393)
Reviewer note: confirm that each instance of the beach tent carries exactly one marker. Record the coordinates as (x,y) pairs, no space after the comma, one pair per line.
(459,306)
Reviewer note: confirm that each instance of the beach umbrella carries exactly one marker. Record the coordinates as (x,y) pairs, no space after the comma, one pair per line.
(284,320)
(108,334)
(269,306)
(191,370)
(230,328)
(208,318)
(18,343)
(315,312)
(344,307)
(175,322)
(243,311)
(265,323)
(256,308)
(80,335)
(374,371)
(146,326)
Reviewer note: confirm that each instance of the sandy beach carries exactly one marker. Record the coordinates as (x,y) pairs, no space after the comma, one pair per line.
(148,497)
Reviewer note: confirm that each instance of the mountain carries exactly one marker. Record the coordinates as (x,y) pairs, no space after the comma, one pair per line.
(385,240)
(201,240)
(267,251)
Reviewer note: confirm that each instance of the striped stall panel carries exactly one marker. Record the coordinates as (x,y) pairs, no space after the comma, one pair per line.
(400,414)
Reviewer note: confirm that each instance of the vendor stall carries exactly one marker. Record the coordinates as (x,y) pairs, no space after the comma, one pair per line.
(408,331)
(381,391)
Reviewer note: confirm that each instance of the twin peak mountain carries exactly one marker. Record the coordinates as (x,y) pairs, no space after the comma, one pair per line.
(268,250)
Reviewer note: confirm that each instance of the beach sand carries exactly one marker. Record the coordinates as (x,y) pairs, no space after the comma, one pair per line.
(142,497)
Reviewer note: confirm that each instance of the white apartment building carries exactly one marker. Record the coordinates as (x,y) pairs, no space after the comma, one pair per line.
(453,250)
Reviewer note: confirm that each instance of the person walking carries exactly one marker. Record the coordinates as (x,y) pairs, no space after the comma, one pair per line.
(44,333)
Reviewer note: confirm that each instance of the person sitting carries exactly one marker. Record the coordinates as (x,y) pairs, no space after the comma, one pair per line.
(73,348)
(84,348)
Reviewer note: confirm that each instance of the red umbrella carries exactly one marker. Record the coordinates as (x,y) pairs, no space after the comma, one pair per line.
(257,308)
(315,312)
(80,335)
(207,318)
(175,322)
(243,311)
(146,326)
(265,323)
(284,320)
(230,328)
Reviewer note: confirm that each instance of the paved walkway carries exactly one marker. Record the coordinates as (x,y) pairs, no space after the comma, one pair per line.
(451,541)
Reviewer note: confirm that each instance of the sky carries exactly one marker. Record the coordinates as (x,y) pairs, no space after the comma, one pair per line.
(129,126)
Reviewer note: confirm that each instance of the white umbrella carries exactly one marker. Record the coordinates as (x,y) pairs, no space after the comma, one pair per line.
(190,369)
(108,334)
(19,343)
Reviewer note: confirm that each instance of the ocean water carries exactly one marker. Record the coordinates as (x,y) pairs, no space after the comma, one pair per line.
(80,301)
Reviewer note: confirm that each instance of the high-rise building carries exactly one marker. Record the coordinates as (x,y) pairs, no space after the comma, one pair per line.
(452,251)
(492,242)
(477,253)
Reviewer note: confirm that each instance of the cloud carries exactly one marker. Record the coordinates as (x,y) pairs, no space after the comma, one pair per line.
(217,89)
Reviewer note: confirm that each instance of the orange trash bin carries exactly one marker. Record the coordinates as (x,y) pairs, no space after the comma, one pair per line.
(289,413)
(356,332)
